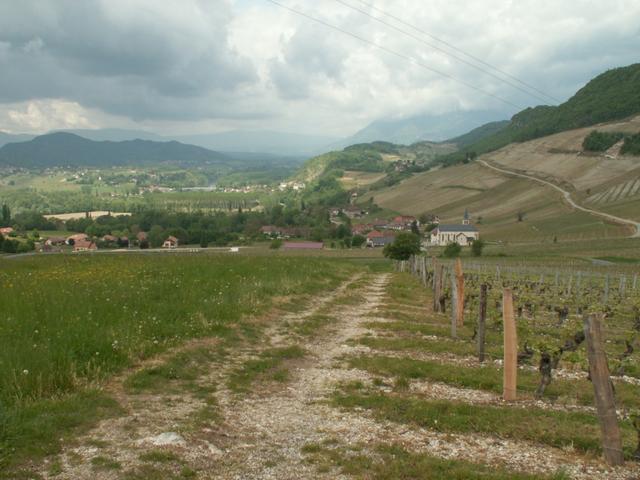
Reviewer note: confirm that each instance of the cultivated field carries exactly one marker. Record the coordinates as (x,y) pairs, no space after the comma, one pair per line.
(494,200)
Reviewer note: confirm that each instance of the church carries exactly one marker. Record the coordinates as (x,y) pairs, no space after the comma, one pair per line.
(463,234)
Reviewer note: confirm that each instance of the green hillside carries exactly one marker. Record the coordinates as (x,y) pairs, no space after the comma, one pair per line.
(372,157)
(67,149)
(477,134)
(613,95)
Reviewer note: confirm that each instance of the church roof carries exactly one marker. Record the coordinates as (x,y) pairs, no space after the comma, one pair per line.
(456,228)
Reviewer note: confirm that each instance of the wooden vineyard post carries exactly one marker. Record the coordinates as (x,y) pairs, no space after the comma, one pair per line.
(434,265)
(437,286)
(623,285)
(635,280)
(454,306)
(579,283)
(603,390)
(605,298)
(460,293)
(510,366)
(482,317)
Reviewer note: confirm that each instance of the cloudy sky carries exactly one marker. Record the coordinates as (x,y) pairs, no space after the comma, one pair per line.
(189,66)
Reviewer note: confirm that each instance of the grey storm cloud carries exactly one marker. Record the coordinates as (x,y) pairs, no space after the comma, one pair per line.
(221,63)
(159,59)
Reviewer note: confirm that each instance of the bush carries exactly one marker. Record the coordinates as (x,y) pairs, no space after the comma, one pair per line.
(358,241)
(405,245)
(631,145)
(276,243)
(476,248)
(452,250)
(600,141)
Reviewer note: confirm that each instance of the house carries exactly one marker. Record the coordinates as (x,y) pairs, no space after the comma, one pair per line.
(379,224)
(82,245)
(110,239)
(403,222)
(361,229)
(463,234)
(170,242)
(5,231)
(78,237)
(379,239)
(270,230)
(303,245)
(55,241)
(354,212)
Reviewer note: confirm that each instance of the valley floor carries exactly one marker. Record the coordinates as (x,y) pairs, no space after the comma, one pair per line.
(304,402)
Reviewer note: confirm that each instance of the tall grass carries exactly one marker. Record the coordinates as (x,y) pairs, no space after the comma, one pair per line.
(68,322)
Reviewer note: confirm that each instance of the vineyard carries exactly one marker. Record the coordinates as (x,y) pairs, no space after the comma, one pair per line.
(554,312)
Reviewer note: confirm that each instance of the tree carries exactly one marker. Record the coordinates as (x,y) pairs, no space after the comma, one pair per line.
(476,247)
(520,216)
(405,245)
(156,236)
(414,228)
(452,250)
(357,241)
(6,215)
(204,241)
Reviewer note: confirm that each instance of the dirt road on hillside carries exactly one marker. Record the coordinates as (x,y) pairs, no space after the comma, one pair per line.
(567,197)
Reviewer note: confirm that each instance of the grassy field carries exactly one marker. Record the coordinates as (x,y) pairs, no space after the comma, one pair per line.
(69,323)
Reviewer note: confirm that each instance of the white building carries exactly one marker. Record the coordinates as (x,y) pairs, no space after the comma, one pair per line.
(463,234)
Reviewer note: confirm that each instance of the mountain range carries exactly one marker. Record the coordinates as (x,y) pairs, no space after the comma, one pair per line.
(68,149)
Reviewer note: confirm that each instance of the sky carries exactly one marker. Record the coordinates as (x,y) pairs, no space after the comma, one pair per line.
(199,66)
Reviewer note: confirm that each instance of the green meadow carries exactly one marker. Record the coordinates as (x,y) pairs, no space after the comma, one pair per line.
(69,323)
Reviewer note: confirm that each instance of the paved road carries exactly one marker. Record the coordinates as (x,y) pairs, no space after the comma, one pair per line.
(568,199)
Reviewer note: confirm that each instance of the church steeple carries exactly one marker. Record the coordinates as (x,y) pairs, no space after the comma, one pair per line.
(465,219)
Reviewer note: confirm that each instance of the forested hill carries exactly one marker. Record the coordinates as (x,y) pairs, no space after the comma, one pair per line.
(371,157)
(613,95)
(67,149)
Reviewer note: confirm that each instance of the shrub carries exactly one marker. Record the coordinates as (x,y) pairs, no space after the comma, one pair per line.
(476,248)
(405,245)
(452,250)
(600,141)
(631,145)
(276,243)
(358,241)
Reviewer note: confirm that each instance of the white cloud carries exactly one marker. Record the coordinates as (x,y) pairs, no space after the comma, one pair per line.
(44,115)
(193,65)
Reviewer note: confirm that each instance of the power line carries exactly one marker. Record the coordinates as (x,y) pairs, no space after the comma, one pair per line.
(459,50)
(397,54)
(435,47)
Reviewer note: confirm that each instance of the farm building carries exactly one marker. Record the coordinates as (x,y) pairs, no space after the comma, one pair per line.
(78,237)
(303,245)
(379,239)
(55,241)
(270,230)
(170,242)
(463,234)
(403,222)
(361,228)
(82,245)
